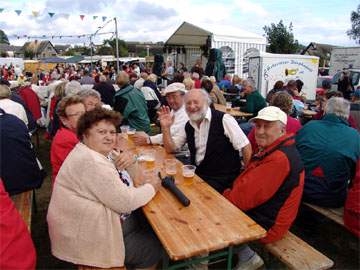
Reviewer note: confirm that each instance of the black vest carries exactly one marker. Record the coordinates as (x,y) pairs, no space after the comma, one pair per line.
(266,213)
(221,164)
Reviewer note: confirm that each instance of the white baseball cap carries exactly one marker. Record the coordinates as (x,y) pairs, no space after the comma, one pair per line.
(174,87)
(271,113)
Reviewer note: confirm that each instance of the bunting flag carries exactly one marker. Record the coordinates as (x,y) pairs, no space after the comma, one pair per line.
(18,12)
(1,10)
(104,18)
(35,13)
(82,17)
(51,14)
(95,17)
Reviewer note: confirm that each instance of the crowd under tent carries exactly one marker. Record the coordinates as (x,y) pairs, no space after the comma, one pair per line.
(189,42)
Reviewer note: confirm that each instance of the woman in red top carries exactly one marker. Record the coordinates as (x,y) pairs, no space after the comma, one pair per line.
(17,250)
(283,101)
(70,109)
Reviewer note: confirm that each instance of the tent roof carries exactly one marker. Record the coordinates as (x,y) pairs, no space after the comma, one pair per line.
(53,60)
(189,34)
(74,59)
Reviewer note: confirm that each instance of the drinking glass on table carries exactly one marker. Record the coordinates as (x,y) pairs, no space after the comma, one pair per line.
(130,133)
(228,106)
(124,130)
(148,156)
(188,173)
(170,167)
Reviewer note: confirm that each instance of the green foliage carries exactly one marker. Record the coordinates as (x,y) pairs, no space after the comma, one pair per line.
(78,50)
(105,50)
(354,32)
(29,54)
(281,39)
(123,49)
(3,38)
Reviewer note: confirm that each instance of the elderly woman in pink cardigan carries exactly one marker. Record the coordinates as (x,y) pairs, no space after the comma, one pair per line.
(89,217)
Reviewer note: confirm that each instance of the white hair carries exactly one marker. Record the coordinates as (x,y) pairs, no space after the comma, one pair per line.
(72,88)
(338,106)
(89,93)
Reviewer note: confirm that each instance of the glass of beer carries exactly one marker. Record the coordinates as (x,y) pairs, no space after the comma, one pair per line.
(130,133)
(188,172)
(124,131)
(170,167)
(228,106)
(149,174)
(149,158)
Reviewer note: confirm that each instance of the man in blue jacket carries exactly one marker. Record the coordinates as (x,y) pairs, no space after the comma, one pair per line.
(329,149)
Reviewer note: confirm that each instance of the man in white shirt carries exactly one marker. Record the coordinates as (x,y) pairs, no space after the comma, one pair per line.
(174,94)
(11,107)
(215,140)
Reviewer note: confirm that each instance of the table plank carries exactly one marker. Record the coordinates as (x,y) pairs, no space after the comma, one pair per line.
(210,223)
(23,203)
(233,112)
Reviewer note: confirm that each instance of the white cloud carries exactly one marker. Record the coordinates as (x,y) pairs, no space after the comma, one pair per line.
(249,7)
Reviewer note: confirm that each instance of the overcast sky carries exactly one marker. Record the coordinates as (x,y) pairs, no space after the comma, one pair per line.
(322,21)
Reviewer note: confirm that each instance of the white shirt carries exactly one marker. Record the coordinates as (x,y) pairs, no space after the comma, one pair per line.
(180,119)
(232,130)
(14,108)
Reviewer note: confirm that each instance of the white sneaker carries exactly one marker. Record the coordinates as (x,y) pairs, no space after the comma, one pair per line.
(254,263)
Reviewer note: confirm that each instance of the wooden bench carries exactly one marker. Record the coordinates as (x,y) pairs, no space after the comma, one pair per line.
(83,267)
(23,203)
(297,254)
(335,214)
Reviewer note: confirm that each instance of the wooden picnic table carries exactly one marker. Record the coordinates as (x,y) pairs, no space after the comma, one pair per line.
(234,112)
(209,224)
(23,203)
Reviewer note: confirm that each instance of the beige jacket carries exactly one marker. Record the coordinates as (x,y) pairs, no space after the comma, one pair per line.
(216,96)
(85,207)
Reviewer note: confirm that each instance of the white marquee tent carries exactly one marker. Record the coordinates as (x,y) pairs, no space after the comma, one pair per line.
(186,43)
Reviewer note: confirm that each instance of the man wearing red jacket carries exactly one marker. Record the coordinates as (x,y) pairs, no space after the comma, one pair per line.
(16,247)
(270,188)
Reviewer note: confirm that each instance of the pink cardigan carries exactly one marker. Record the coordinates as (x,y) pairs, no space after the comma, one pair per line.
(85,207)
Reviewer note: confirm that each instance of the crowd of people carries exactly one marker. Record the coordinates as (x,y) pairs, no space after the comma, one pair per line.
(265,165)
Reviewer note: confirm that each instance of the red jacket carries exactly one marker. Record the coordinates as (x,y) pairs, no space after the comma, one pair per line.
(31,100)
(62,144)
(264,178)
(352,205)
(17,250)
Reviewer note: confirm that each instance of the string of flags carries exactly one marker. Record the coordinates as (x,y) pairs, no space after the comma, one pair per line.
(36,13)
(57,36)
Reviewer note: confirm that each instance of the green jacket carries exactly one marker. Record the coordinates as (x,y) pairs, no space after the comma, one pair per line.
(131,103)
(254,103)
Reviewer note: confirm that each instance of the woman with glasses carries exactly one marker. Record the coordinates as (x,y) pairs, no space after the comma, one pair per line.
(69,111)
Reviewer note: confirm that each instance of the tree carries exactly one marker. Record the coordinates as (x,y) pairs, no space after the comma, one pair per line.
(3,38)
(354,32)
(123,49)
(105,50)
(29,54)
(78,50)
(281,39)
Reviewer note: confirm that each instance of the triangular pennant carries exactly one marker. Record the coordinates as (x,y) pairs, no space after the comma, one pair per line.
(51,14)
(95,17)
(18,12)
(1,10)
(104,18)
(35,13)
(82,17)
